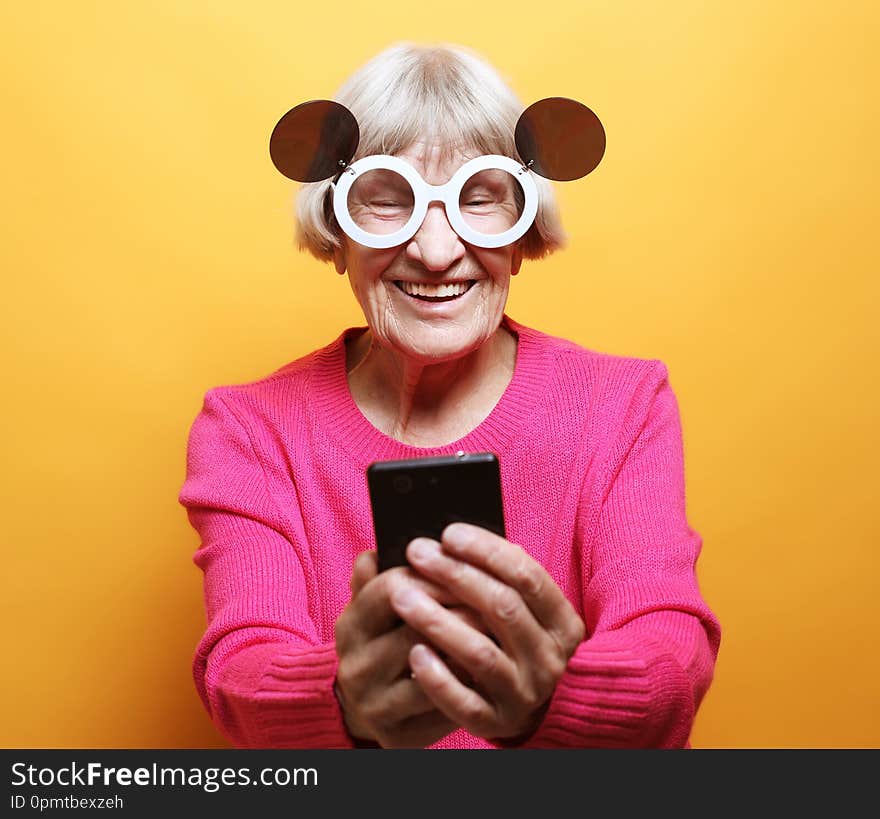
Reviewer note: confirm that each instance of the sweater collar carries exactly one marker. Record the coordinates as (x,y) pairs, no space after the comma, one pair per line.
(337,414)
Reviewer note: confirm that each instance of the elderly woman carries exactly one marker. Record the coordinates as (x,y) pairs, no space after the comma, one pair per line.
(585,626)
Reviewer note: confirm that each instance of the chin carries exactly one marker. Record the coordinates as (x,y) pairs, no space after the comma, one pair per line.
(441,347)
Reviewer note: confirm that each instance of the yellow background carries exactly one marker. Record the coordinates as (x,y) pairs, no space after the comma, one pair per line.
(147,256)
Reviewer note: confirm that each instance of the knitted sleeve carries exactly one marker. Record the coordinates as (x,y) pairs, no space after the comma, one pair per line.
(639,676)
(263,675)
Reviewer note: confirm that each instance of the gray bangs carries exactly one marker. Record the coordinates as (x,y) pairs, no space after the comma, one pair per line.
(432,96)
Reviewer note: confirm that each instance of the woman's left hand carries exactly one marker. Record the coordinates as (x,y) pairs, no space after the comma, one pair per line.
(536,628)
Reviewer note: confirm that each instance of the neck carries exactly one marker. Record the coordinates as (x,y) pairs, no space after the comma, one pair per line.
(417,401)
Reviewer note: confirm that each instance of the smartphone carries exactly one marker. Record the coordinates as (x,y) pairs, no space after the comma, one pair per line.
(419,497)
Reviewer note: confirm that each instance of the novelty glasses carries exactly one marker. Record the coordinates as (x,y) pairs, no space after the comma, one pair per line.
(380,201)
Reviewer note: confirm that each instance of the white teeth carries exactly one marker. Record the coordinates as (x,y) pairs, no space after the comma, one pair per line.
(455,289)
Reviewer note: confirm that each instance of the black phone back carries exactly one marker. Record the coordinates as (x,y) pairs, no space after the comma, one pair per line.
(419,497)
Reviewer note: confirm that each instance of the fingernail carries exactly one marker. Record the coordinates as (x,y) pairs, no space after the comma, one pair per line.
(421,549)
(458,534)
(420,659)
(405,599)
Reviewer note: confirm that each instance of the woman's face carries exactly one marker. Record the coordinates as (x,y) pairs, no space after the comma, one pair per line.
(423,331)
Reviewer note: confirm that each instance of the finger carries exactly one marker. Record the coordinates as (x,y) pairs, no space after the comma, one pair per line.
(514,567)
(468,615)
(365,569)
(501,606)
(474,620)
(406,698)
(380,662)
(461,704)
(370,614)
(474,651)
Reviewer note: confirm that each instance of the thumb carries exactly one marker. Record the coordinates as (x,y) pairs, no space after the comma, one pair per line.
(366,567)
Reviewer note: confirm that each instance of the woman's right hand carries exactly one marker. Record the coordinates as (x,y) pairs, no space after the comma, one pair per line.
(380,700)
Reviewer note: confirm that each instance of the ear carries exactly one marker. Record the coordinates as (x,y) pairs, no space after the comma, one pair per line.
(516,261)
(339,260)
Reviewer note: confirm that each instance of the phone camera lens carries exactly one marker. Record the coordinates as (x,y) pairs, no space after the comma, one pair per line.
(403,484)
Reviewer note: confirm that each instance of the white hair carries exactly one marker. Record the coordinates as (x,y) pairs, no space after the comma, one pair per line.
(444,93)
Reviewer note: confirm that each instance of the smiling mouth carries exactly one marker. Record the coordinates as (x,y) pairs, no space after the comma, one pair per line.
(434,293)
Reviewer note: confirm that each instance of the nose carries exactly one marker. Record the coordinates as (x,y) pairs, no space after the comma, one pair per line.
(436,246)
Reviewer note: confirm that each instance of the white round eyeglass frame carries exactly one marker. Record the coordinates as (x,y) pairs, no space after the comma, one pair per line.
(424,194)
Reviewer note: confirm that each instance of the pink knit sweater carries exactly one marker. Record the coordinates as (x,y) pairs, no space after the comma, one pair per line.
(593,487)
